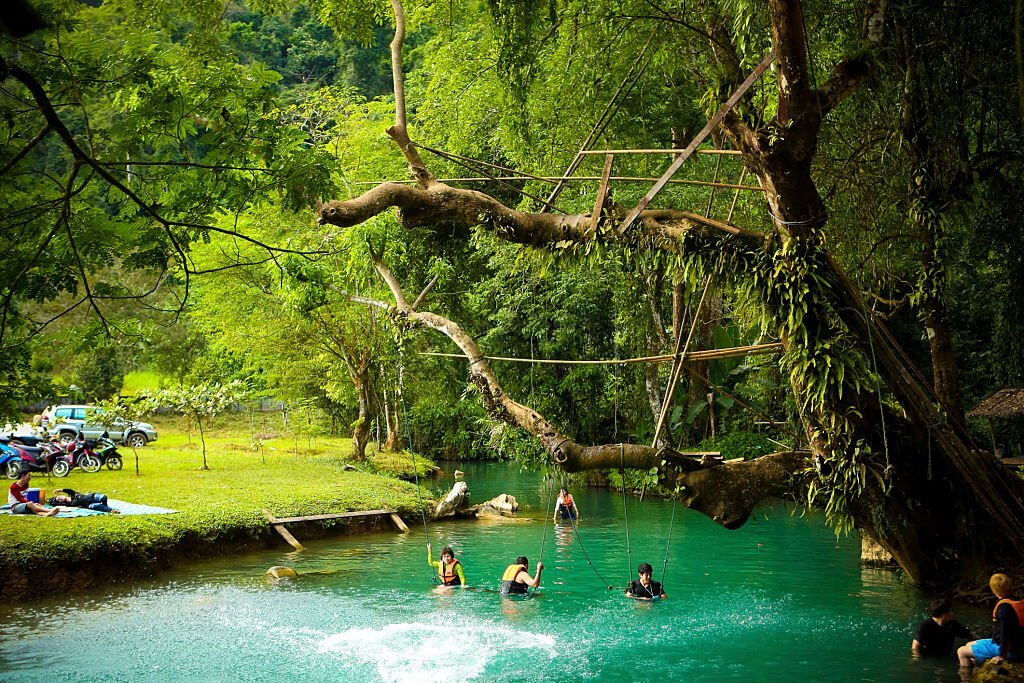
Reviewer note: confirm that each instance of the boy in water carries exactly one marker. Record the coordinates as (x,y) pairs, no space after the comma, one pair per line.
(936,634)
(1007,641)
(645,589)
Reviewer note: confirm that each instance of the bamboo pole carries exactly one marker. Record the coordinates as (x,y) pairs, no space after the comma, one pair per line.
(690,357)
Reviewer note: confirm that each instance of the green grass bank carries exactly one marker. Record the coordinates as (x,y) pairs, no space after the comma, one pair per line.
(219,509)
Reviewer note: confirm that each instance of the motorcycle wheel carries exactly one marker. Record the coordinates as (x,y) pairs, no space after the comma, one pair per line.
(114,462)
(12,469)
(90,463)
(61,468)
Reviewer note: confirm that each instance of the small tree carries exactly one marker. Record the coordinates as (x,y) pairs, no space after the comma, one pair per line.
(200,403)
(118,412)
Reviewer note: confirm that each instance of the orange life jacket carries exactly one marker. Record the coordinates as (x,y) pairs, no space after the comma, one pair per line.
(568,502)
(446,572)
(508,580)
(1017,605)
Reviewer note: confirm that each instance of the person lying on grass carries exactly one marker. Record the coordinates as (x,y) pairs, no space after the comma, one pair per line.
(74,499)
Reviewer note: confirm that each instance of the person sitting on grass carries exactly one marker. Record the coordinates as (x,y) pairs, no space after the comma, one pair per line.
(20,505)
(1007,641)
(449,570)
(645,589)
(89,501)
(936,634)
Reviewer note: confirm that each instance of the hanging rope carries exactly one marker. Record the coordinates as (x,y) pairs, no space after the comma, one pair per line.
(668,542)
(547,511)
(580,542)
(625,517)
(415,471)
(878,391)
(677,364)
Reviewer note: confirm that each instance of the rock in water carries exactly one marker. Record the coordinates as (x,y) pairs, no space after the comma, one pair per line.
(504,503)
(499,506)
(282,573)
(454,501)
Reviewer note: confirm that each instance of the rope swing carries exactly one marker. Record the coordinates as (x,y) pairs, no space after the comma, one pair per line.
(415,471)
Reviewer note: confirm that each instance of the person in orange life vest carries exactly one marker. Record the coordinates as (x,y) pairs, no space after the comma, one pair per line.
(517,579)
(645,589)
(20,505)
(936,634)
(1007,641)
(449,570)
(565,506)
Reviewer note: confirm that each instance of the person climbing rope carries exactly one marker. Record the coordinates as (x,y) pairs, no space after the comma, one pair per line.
(449,570)
(517,580)
(565,506)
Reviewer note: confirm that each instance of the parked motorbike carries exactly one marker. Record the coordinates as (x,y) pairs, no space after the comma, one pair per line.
(10,459)
(106,451)
(78,454)
(29,440)
(41,458)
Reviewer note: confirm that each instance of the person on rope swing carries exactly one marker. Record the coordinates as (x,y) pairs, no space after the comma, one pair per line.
(517,580)
(644,588)
(1007,641)
(565,506)
(936,634)
(90,501)
(449,570)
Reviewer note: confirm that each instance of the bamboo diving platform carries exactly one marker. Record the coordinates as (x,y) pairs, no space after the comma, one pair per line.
(279,523)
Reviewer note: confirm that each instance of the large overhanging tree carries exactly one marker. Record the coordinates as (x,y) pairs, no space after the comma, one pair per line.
(908,478)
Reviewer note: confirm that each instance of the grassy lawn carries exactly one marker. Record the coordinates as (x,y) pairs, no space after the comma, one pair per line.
(289,477)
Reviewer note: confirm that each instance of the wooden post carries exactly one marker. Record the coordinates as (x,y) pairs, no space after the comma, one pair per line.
(992,433)
(279,528)
(692,147)
(399,523)
(602,192)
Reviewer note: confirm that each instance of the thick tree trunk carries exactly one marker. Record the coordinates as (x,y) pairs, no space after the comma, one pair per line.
(361,427)
(393,439)
(911,484)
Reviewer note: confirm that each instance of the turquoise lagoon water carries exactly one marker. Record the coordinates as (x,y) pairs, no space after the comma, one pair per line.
(781,599)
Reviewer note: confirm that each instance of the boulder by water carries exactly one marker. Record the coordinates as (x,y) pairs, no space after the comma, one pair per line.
(503,505)
(1003,673)
(456,500)
(282,573)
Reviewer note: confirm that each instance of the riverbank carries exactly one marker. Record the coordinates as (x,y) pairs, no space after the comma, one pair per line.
(219,511)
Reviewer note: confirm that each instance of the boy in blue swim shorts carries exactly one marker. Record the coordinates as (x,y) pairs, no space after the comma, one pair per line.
(1007,641)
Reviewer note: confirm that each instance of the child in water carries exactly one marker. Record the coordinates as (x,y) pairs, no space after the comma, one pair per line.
(449,570)
(645,588)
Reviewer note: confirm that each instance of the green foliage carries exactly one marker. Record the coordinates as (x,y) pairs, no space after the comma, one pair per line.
(740,444)
(200,403)
(449,431)
(100,373)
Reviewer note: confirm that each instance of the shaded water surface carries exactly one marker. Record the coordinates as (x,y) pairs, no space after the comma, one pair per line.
(778,600)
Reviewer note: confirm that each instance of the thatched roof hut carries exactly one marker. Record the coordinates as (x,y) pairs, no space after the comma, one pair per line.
(1003,404)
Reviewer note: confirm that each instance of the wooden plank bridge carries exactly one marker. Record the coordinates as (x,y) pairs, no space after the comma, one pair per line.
(279,523)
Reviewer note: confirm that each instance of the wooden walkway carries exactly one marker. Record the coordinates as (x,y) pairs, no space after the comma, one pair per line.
(279,523)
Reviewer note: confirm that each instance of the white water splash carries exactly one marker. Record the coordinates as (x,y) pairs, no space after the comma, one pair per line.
(422,653)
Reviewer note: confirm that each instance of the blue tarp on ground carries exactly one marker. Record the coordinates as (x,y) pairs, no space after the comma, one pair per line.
(121,506)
